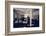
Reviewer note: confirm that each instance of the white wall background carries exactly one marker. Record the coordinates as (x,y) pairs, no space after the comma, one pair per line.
(2,18)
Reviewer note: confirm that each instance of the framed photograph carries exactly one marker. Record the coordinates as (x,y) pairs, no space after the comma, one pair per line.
(24,17)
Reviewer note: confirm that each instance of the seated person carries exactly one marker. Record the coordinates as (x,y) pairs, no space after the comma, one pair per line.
(35,22)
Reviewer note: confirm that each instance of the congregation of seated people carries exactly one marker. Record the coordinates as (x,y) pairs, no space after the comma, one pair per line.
(19,22)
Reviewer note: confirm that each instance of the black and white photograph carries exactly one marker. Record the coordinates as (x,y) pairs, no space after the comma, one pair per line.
(25,17)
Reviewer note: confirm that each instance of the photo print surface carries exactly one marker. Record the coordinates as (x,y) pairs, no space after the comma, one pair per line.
(25,17)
